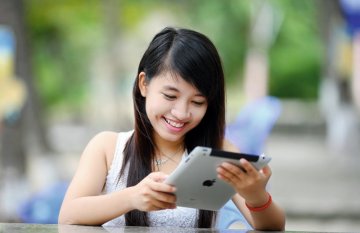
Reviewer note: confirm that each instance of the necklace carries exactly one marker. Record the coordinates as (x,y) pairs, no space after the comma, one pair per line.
(160,161)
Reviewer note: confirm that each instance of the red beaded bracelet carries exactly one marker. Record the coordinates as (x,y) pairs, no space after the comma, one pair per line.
(260,208)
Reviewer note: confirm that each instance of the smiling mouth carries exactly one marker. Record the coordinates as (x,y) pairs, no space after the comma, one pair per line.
(174,124)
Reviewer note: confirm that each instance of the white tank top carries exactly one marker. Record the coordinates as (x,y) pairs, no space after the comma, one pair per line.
(179,217)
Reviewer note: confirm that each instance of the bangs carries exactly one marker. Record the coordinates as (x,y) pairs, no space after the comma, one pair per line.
(192,64)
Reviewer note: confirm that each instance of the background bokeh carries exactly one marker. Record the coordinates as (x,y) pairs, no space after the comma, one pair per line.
(67,69)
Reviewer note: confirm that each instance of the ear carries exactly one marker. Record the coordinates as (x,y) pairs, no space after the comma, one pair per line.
(142,83)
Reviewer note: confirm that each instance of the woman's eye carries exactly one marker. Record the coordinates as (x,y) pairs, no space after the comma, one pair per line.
(169,97)
(198,103)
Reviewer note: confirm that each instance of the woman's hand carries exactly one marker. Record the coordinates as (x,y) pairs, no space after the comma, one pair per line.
(246,180)
(152,194)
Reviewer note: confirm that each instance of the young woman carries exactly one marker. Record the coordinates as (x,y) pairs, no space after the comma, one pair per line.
(179,103)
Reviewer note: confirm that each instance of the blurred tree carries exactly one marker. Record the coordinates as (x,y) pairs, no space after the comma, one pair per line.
(64,35)
(67,34)
(105,73)
(296,56)
(28,129)
(227,23)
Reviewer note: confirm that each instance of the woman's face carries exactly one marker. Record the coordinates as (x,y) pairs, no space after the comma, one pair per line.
(173,106)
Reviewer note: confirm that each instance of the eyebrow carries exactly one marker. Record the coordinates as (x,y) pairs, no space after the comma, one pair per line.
(171,88)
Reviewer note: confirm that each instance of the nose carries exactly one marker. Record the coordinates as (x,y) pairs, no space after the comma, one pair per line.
(181,112)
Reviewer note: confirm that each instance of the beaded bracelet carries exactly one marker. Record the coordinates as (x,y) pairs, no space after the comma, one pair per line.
(260,208)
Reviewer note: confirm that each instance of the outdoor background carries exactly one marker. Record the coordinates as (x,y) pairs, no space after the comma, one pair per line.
(67,69)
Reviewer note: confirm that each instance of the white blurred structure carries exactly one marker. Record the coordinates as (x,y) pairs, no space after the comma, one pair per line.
(339,90)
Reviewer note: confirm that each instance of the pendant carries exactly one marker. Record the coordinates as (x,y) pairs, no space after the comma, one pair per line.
(158,162)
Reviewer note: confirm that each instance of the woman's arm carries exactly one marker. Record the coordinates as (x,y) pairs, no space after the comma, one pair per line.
(271,218)
(84,202)
(250,185)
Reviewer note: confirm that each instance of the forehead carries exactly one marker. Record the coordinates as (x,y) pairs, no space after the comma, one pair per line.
(168,76)
(168,81)
(171,79)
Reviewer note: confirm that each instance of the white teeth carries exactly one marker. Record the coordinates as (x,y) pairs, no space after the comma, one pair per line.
(175,124)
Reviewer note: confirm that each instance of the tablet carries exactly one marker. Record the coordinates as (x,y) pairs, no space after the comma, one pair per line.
(196,181)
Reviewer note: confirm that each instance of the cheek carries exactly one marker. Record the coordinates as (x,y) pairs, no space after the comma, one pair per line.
(199,114)
(154,106)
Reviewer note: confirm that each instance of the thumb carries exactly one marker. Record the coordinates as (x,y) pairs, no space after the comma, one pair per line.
(158,176)
(266,171)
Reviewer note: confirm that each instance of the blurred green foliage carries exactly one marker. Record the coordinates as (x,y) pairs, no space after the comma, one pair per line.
(295,58)
(66,34)
(62,36)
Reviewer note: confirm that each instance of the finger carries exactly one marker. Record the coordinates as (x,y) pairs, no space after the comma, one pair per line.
(247,167)
(162,187)
(159,205)
(164,196)
(223,174)
(155,181)
(235,170)
(168,199)
(163,200)
(158,176)
(231,176)
(266,171)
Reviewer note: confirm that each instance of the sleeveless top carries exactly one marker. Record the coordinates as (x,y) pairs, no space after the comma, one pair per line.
(179,217)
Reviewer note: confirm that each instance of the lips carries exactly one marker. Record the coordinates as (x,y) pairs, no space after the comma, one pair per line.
(174,124)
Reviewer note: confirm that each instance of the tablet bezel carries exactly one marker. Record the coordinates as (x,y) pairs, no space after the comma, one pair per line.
(200,166)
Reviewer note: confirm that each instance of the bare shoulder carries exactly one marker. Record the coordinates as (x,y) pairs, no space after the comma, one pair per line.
(105,138)
(104,142)
(228,146)
(92,169)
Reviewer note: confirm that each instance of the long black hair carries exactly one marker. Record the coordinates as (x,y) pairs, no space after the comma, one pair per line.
(193,57)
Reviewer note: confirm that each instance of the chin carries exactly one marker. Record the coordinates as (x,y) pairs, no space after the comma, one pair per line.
(172,137)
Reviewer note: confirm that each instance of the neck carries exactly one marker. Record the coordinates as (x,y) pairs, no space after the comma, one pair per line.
(168,158)
(167,147)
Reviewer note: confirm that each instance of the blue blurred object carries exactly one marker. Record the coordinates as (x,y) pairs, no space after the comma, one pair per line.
(248,133)
(44,207)
(229,214)
(351,12)
(253,125)
(7,40)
